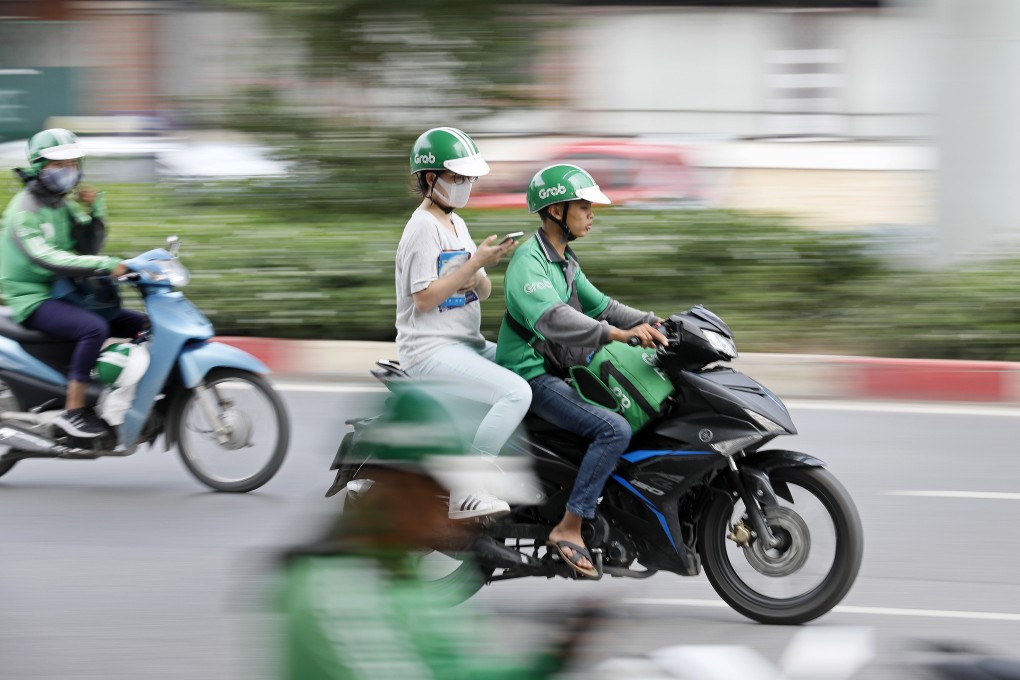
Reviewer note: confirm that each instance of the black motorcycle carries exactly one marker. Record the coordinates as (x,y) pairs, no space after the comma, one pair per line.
(778,536)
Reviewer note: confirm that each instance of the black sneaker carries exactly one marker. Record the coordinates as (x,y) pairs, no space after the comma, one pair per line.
(81,422)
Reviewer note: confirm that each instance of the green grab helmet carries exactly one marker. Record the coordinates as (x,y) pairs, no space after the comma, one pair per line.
(54,144)
(560,183)
(122,363)
(447,148)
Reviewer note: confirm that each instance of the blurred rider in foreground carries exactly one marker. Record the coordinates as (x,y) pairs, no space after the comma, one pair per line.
(356,602)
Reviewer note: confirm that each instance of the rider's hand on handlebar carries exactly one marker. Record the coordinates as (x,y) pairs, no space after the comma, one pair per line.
(120,270)
(643,334)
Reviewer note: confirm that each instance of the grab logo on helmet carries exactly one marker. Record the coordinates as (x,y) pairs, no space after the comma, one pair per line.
(557,190)
(422,158)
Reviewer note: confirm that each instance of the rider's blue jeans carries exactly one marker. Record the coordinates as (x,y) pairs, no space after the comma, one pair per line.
(556,401)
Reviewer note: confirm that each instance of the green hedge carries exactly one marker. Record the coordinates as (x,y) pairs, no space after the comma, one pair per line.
(262,264)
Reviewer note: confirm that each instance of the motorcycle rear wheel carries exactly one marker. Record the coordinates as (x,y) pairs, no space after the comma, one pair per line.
(823,549)
(260,420)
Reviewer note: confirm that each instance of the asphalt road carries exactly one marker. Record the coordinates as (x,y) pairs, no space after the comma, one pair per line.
(128,568)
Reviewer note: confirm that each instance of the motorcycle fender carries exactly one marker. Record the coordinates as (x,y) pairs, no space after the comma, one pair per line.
(194,363)
(342,450)
(354,428)
(755,470)
(773,459)
(197,359)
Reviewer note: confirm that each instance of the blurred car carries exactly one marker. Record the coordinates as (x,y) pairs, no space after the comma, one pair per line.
(630,172)
(147,159)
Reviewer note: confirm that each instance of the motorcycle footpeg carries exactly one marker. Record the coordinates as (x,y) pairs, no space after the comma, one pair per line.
(495,554)
(74,447)
(567,571)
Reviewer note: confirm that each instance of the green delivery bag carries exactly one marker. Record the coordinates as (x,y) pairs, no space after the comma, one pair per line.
(627,380)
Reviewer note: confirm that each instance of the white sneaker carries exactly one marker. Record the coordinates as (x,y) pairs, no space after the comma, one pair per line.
(478,504)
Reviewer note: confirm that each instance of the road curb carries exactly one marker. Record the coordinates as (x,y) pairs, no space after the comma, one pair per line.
(811,376)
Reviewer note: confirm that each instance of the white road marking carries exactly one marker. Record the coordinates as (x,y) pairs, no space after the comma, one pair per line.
(328,387)
(798,404)
(846,609)
(983,495)
(904,407)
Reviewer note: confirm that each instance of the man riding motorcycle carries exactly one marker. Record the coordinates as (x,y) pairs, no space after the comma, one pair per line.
(48,235)
(555,318)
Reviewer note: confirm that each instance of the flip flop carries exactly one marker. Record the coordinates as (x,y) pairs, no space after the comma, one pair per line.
(579,553)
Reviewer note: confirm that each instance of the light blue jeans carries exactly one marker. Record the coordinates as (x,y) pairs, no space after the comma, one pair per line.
(473,374)
(609,432)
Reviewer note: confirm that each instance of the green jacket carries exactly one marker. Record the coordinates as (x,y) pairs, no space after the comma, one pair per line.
(366,617)
(41,240)
(536,289)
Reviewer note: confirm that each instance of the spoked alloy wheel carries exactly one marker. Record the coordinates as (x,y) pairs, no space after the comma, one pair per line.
(808,572)
(257,434)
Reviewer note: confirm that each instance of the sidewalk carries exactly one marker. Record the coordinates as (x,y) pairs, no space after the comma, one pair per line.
(790,376)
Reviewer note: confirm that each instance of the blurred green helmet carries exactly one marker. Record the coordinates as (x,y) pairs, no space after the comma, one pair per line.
(561,183)
(418,434)
(122,363)
(55,144)
(447,148)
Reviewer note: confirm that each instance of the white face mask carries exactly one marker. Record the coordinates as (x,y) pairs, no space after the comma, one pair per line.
(454,195)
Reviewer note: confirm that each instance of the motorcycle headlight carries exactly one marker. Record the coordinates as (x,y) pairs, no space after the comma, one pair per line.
(766,424)
(720,343)
(173,272)
(731,446)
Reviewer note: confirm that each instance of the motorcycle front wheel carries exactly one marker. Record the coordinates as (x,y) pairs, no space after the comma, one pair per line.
(250,449)
(813,567)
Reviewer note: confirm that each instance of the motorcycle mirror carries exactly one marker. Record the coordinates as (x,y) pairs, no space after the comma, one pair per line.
(173,244)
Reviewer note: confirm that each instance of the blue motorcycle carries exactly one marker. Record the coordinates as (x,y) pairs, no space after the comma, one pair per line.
(206,398)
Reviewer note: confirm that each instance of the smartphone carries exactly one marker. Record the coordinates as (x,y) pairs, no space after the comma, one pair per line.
(512,236)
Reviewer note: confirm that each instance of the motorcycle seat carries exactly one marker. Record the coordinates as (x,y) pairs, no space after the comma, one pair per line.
(9,328)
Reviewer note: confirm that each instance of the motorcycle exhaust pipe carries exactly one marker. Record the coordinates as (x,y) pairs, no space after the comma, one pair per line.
(21,440)
(26,444)
(492,553)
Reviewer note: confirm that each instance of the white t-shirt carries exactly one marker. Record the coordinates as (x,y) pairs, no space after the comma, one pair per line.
(419,334)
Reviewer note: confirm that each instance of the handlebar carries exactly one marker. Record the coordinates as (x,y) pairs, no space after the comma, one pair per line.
(662,327)
(130,276)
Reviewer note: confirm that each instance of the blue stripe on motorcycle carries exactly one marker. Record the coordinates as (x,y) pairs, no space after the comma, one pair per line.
(662,520)
(638,456)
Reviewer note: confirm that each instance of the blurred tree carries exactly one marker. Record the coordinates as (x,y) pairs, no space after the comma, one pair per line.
(467,56)
(391,71)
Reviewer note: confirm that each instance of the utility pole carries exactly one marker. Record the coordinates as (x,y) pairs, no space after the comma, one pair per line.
(978,127)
